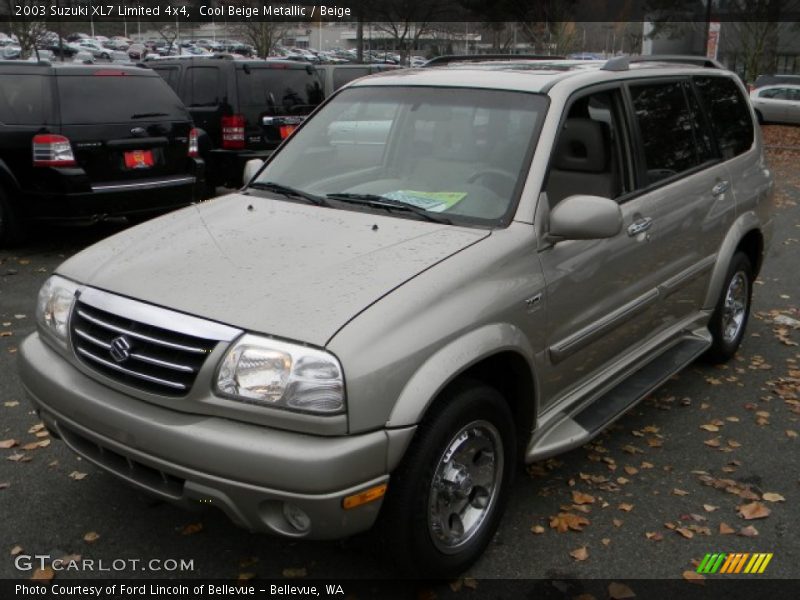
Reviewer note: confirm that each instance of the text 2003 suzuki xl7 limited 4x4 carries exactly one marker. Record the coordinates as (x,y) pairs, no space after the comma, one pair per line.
(442,273)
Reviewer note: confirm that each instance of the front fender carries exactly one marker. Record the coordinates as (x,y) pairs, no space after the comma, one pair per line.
(448,362)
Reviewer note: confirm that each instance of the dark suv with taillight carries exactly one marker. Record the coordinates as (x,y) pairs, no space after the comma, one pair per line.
(245,108)
(81,143)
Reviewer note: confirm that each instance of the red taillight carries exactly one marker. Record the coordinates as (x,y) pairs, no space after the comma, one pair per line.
(52,151)
(287,130)
(194,149)
(233,132)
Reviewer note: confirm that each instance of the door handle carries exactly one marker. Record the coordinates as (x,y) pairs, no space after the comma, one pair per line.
(639,226)
(720,188)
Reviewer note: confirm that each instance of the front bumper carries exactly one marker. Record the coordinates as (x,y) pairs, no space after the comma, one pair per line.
(248,471)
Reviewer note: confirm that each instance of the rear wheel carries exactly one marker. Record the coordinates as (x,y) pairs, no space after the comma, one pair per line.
(12,230)
(731,314)
(447,497)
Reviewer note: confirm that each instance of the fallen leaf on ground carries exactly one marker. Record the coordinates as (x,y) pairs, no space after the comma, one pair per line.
(77,475)
(470,583)
(617,522)
(773,497)
(678,492)
(16,550)
(685,532)
(710,427)
(754,510)
(581,498)
(91,537)
(245,576)
(713,442)
(537,529)
(631,470)
(605,541)
(11,404)
(710,507)
(45,574)
(564,521)
(654,535)
(301,572)
(694,577)
(626,507)
(725,529)
(580,553)
(619,591)
(8,444)
(37,427)
(791,433)
(748,531)
(192,528)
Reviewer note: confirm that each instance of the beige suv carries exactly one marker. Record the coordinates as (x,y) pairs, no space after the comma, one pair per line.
(441,274)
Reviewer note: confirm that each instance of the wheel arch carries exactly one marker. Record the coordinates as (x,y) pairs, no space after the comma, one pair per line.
(498,355)
(744,235)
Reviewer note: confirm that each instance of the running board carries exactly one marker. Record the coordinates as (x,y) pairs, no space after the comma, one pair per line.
(575,430)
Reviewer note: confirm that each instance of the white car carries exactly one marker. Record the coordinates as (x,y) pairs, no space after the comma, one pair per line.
(778,103)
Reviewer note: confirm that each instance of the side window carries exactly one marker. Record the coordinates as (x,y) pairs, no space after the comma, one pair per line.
(342,76)
(701,126)
(22,100)
(666,127)
(204,85)
(773,94)
(170,75)
(590,155)
(729,114)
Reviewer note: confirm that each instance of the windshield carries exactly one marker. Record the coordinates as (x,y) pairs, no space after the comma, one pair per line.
(459,152)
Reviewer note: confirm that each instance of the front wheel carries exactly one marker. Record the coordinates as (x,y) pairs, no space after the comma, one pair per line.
(447,497)
(730,316)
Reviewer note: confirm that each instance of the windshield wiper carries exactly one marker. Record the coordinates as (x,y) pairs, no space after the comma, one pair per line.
(390,204)
(146,115)
(289,192)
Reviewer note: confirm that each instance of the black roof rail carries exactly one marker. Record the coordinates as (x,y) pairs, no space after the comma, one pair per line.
(622,63)
(451,58)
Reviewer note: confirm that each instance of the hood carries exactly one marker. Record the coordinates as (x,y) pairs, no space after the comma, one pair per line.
(290,270)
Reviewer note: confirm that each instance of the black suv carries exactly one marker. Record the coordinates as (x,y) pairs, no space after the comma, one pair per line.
(86,142)
(245,107)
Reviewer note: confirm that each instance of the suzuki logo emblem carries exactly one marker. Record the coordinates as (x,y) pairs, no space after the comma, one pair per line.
(120,349)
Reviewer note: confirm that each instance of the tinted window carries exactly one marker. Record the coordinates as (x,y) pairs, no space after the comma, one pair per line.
(279,91)
(170,75)
(22,99)
(666,128)
(728,112)
(117,99)
(203,86)
(342,76)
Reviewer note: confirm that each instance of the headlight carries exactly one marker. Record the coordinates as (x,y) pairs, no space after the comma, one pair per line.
(54,305)
(267,372)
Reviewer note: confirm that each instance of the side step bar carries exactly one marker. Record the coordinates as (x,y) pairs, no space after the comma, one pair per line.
(574,430)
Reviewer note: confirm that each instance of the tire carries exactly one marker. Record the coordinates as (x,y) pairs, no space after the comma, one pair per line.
(437,520)
(12,231)
(729,321)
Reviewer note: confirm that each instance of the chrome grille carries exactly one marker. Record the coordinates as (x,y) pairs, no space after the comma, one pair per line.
(150,358)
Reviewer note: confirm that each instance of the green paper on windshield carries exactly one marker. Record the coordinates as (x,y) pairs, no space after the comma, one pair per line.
(431,201)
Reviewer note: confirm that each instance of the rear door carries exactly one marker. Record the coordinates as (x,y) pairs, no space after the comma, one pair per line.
(205,92)
(123,124)
(274,97)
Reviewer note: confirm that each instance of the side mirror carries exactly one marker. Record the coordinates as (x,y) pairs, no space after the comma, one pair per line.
(251,167)
(584,217)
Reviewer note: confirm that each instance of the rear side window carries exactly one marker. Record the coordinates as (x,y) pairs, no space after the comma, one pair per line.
(22,99)
(117,99)
(728,112)
(279,91)
(170,75)
(667,129)
(342,76)
(204,86)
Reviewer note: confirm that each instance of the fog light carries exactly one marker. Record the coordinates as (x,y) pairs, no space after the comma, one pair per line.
(297,517)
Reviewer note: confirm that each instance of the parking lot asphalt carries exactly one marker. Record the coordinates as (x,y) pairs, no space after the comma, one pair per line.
(650,497)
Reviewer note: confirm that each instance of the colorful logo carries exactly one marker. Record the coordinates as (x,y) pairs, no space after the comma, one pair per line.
(734,562)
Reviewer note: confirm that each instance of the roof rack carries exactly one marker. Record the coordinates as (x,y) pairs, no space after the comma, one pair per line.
(622,63)
(440,61)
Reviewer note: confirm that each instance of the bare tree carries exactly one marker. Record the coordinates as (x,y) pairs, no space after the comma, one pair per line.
(29,32)
(262,35)
(406,20)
